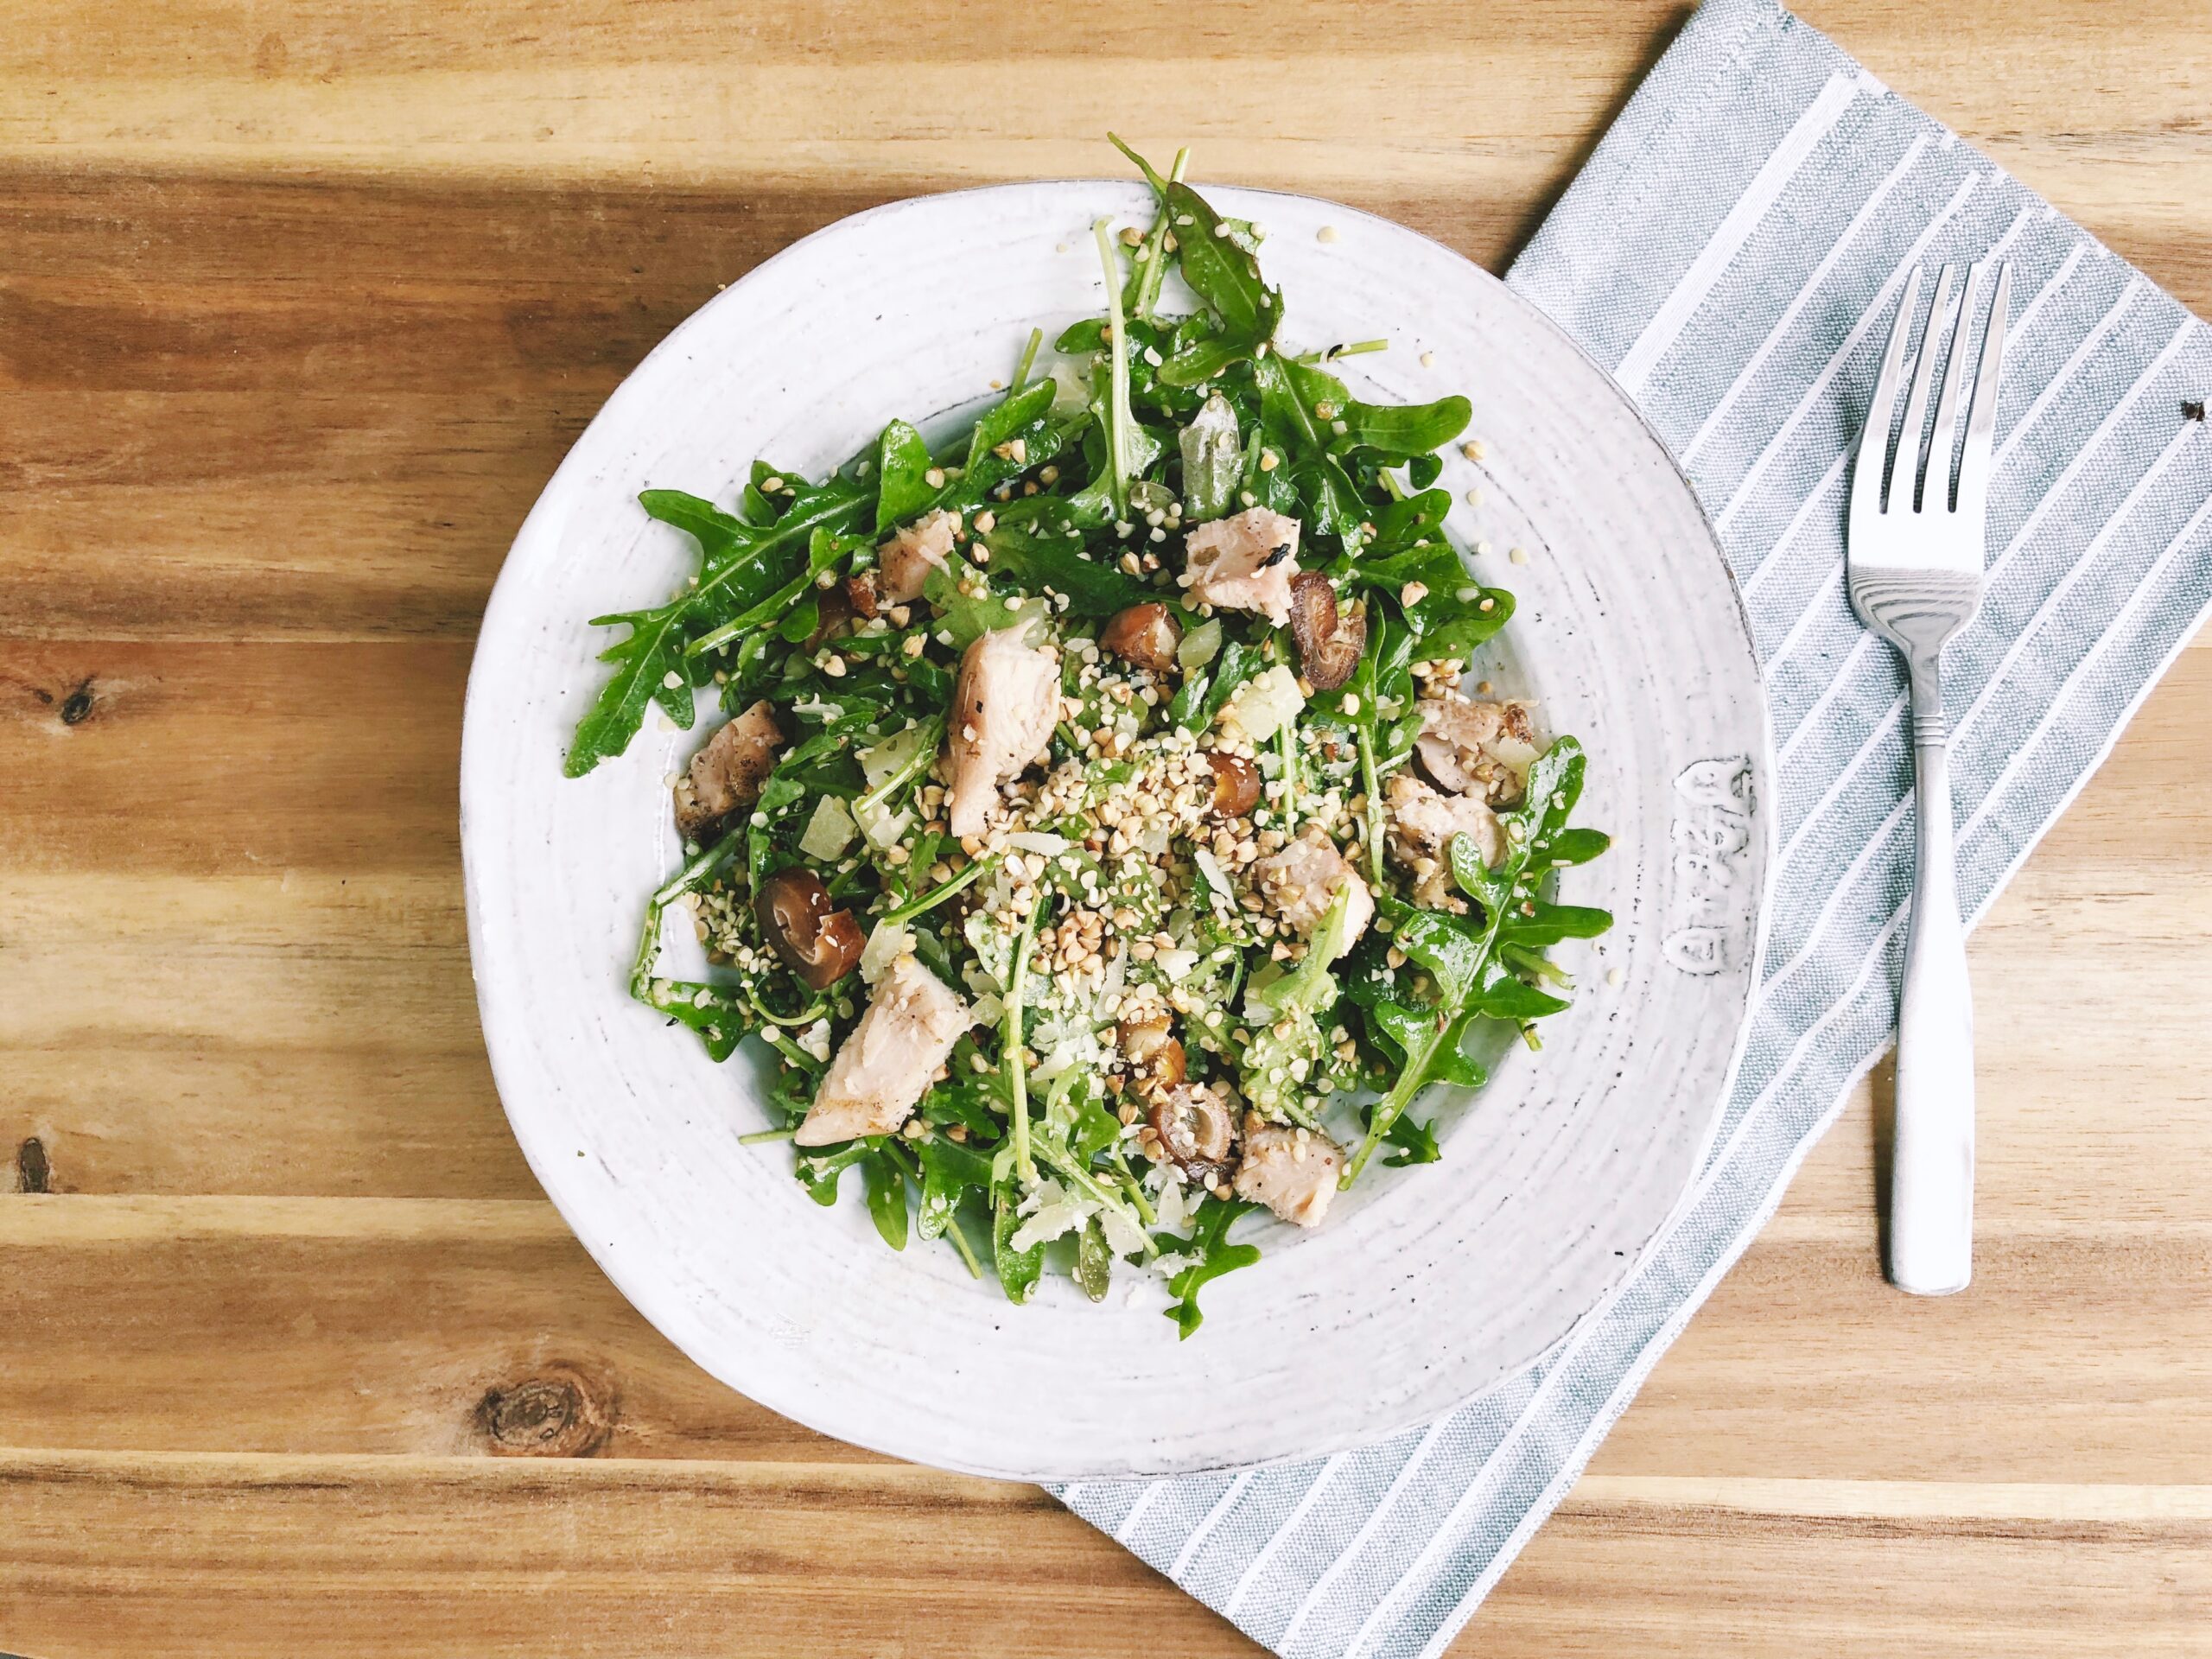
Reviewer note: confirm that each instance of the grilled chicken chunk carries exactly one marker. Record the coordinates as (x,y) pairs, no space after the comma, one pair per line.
(726,775)
(1422,824)
(1245,563)
(905,561)
(1483,749)
(1301,882)
(884,1068)
(1004,708)
(1291,1170)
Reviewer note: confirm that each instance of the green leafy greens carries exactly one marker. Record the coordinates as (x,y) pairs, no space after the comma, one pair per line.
(1151,1013)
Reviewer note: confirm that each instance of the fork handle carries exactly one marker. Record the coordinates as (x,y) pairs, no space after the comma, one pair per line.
(1931,1165)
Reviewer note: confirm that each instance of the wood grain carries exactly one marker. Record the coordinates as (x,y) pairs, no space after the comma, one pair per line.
(299,305)
(396,1556)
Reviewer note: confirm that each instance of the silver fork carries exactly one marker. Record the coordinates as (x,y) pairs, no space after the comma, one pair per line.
(1915,569)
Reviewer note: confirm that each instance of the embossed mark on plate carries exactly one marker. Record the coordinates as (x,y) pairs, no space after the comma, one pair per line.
(1711,831)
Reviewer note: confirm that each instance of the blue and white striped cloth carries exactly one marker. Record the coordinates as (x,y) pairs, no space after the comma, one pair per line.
(1732,253)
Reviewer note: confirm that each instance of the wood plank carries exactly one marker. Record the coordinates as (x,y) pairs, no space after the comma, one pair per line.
(329,423)
(376,1557)
(329,1326)
(907,96)
(371,1557)
(326,1325)
(1806,1568)
(124,758)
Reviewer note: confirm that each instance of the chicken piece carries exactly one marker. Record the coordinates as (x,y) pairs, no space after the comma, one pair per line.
(1291,1170)
(884,1068)
(1422,824)
(905,561)
(1244,564)
(1004,708)
(726,774)
(1302,880)
(1483,749)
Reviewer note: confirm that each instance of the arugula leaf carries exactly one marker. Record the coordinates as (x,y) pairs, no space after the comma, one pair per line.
(950,1172)
(719,1014)
(653,650)
(1504,994)
(886,1196)
(1315,386)
(1080,338)
(783,789)
(1222,271)
(1289,394)
(1576,846)
(1403,522)
(968,616)
(1337,512)
(736,569)
(794,599)
(721,538)
(1394,1023)
(1405,1030)
(902,459)
(1094,1262)
(1204,358)
(1236,663)
(1036,563)
(1415,1142)
(836,502)
(1019,1270)
(1283,412)
(696,872)
(1212,1255)
(1022,420)
(818,1172)
(1096,503)
(1213,459)
(1403,430)
(1450,947)
(1454,613)
(1453,628)
(1462,954)
(1536,923)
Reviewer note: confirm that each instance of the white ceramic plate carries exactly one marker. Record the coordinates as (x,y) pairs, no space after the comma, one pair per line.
(1428,1284)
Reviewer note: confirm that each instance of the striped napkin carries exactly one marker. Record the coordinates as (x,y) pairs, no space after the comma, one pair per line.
(1733,254)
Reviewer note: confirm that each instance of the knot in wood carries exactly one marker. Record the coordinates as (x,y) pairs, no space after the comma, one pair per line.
(78,705)
(556,1415)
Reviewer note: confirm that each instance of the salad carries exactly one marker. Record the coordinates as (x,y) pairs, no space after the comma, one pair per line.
(1104,831)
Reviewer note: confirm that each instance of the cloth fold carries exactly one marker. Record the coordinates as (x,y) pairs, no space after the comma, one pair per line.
(1732,254)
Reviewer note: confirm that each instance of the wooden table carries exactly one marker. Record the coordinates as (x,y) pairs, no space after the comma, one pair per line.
(298,311)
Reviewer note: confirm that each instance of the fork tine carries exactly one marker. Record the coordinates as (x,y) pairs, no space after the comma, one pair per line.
(1982,418)
(1935,492)
(1912,440)
(1874,435)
